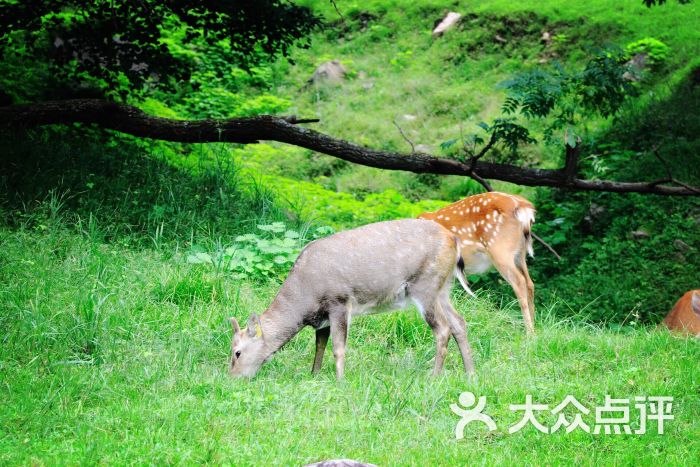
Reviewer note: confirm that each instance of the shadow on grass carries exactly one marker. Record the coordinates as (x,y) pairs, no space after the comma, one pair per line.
(141,189)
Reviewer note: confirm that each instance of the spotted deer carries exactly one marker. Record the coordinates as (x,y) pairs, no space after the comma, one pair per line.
(494,229)
(685,314)
(377,268)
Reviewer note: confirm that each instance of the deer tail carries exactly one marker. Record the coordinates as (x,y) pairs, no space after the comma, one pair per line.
(459,270)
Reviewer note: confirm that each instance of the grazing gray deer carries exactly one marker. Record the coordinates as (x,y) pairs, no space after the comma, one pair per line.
(380,266)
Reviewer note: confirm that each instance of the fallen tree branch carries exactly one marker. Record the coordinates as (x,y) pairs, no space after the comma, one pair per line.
(130,120)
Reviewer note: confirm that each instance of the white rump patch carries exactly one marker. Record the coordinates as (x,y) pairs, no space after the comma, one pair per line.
(526,216)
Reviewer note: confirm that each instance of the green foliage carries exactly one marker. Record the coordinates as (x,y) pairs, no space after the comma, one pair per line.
(655,50)
(262,256)
(219,89)
(651,3)
(120,48)
(402,59)
(610,273)
(342,210)
(599,89)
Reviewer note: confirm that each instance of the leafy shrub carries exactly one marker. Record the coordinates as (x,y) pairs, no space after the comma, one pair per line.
(258,256)
(343,210)
(655,50)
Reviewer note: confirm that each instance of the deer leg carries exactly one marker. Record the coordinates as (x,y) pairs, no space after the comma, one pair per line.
(510,272)
(321,341)
(338,317)
(530,287)
(459,331)
(435,318)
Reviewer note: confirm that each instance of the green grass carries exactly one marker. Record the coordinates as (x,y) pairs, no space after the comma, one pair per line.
(114,349)
(111,355)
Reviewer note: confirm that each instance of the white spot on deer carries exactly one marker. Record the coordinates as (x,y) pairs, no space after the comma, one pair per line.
(476,209)
(440,216)
(453,228)
(447,218)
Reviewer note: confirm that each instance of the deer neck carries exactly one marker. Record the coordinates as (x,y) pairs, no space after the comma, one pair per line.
(281,321)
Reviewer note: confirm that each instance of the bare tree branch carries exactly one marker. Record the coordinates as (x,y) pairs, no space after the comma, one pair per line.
(655,151)
(403,135)
(483,182)
(546,245)
(130,120)
(484,150)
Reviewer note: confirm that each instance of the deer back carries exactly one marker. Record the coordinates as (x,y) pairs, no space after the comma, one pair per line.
(685,314)
(370,264)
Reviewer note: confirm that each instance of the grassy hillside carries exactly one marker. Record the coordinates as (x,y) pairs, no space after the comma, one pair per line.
(449,84)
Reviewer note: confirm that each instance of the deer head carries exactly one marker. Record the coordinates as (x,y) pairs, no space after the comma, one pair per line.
(248,349)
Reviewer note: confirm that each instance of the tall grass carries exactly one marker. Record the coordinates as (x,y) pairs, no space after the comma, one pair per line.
(116,188)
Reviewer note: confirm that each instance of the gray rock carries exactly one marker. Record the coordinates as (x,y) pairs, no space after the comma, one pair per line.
(447,23)
(546,38)
(640,234)
(635,67)
(340,463)
(332,71)
(596,210)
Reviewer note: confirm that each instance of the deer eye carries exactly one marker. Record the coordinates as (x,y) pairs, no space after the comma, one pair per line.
(237,354)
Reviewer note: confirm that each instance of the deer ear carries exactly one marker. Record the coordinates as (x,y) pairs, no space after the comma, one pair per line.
(234,323)
(254,326)
(695,303)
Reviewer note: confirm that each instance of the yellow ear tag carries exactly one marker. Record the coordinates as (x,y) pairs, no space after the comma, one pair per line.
(258,331)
